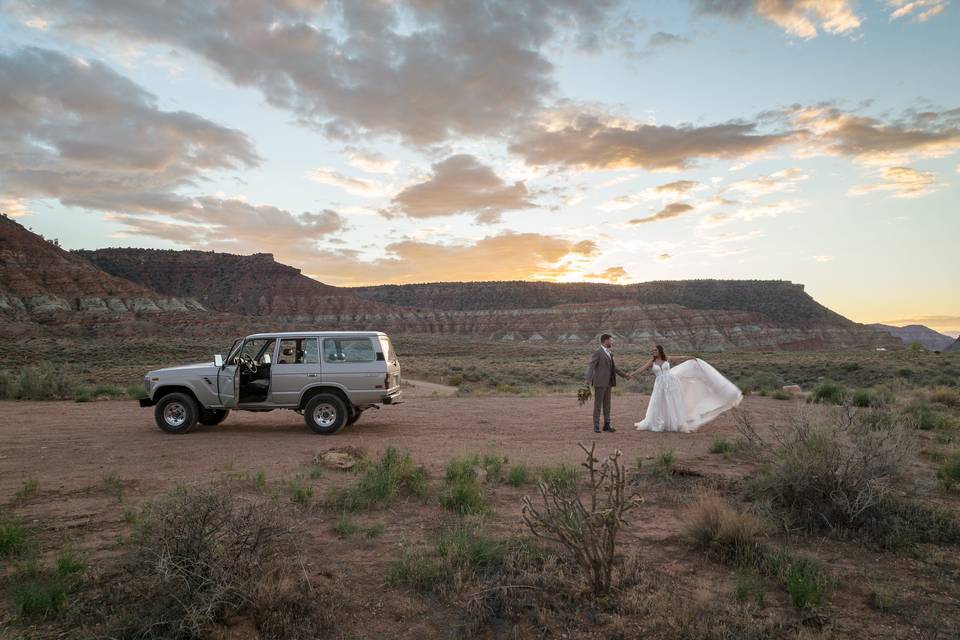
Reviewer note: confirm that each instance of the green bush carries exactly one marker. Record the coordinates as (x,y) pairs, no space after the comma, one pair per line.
(949,472)
(384,481)
(14,537)
(864,398)
(69,562)
(561,477)
(346,529)
(464,496)
(829,392)
(39,596)
(663,464)
(518,475)
(721,446)
(299,492)
(925,416)
(44,381)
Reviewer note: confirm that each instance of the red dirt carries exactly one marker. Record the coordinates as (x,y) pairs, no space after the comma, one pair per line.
(68,446)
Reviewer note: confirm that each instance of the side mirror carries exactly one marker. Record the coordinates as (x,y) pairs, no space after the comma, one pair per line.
(265,359)
(218,360)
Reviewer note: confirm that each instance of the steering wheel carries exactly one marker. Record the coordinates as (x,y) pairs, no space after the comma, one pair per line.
(246,362)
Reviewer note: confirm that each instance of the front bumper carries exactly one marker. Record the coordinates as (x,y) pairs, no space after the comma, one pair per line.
(146,402)
(394,397)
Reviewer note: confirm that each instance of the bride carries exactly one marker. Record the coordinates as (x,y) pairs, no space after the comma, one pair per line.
(687,396)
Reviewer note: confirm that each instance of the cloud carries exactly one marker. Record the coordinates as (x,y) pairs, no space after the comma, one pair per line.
(13,207)
(461,184)
(677,187)
(420,69)
(371,161)
(672,210)
(785,180)
(592,142)
(828,130)
(823,258)
(663,257)
(77,131)
(614,275)
(902,182)
(671,190)
(921,10)
(356,186)
(800,18)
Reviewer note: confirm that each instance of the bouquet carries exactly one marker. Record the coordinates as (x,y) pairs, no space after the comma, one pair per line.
(583,394)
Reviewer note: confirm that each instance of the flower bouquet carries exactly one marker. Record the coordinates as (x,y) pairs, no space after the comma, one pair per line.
(583,394)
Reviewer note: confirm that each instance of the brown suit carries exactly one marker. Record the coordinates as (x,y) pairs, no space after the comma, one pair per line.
(602,373)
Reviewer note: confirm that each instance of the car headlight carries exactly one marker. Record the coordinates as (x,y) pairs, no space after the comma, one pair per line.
(146,385)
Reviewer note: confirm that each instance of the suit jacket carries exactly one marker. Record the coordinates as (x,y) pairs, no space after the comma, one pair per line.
(602,370)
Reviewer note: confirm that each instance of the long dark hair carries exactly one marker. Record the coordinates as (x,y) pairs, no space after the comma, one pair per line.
(660,353)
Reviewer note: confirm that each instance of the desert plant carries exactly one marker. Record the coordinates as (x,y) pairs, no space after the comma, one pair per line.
(464,496)
(864,398)
(70,562)
(346,529)
(587,532)
(560,477)
(28,490)
(829,392)
(663,464)
(949,471)
(44,381)
(14,537)
(383,481)
(299,492)
(721,446)
(200,555)
(519,474)
(714,526)
(39,595)
(832,472)
(947,396)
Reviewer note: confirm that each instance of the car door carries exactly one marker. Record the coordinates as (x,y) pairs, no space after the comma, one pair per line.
(297,366)
(228,382)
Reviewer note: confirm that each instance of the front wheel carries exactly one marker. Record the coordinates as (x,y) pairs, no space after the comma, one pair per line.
(211,417)
(176,413)
(325,414)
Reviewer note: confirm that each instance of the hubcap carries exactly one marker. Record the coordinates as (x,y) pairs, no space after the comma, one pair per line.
(325,414)
(175,414)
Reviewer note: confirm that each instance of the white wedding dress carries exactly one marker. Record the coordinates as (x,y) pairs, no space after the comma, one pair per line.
(687,397)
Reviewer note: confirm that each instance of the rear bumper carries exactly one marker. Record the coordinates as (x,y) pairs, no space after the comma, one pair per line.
(146,402)
(395,397)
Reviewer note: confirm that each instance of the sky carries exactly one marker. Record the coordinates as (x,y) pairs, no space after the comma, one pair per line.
(816,141)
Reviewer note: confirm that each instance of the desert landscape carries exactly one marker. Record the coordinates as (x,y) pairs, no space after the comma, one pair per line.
(824,506)
(742,212)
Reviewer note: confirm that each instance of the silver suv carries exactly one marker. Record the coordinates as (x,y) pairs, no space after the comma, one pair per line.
(330,377)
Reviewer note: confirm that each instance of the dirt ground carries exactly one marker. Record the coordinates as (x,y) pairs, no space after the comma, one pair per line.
(95,462)
(67,446)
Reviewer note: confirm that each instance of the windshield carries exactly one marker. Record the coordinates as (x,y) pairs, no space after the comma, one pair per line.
(232,353)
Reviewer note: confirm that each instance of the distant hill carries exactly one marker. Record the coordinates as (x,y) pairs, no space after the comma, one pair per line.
(45,290)
(38,277)
(927,337)
(255,285)
(955,346)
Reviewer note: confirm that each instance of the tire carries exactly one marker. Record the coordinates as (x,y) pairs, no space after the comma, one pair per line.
(325,414)
(177,413)
(211,417)
(354,416)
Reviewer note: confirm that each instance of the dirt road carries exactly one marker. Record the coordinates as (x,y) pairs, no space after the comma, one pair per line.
(68,446)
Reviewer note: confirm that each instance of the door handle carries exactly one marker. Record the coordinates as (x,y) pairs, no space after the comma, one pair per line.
(313,375)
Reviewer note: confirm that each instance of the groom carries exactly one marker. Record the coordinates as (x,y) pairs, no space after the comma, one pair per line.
(602,374)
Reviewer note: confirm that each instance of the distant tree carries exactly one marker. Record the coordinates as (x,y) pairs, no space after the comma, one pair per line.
(916,347)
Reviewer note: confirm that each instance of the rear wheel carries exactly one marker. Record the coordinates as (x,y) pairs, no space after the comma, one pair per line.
(354,416)
(176,413)
(325,414)
(211,417)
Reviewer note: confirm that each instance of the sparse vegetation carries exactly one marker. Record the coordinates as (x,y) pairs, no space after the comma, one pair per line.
(518,475)
(949,471)
(383,481)
(299,492)
(14,537)
(586,531)
(346,529)
(663,463)
(721,446)
(829,392)
(560,477)
(28,490)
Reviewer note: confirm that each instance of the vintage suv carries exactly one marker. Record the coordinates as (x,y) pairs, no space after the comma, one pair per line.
(330,377)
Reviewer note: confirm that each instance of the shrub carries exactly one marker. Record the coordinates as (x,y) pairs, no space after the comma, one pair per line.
(135,391)
(587,532)
(44,381)
(833,472)
(29,489)
(518,475)
(761,381)
(455,380)
(829,392)
(780,394)
(69,562)
(560,477)
(714,526)
(346,529)
(9,390)
(864,398)
(663,465)
(944,395)
(14,537)
(926,417)
(721,446)
(200,556)
(299,493)
(39,596)
(384,481)
(464,496)
(949,472)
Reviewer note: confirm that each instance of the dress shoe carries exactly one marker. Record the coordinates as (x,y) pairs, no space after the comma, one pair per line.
(607,427)
(596,429)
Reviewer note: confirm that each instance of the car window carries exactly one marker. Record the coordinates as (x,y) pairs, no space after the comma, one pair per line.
(256,348)
(299,351)
(348,350)
(387,347)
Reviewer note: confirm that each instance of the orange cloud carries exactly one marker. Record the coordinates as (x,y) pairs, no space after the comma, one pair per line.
(902,182)
(672,210)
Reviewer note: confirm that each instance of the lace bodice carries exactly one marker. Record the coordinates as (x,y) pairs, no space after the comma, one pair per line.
(660,368)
